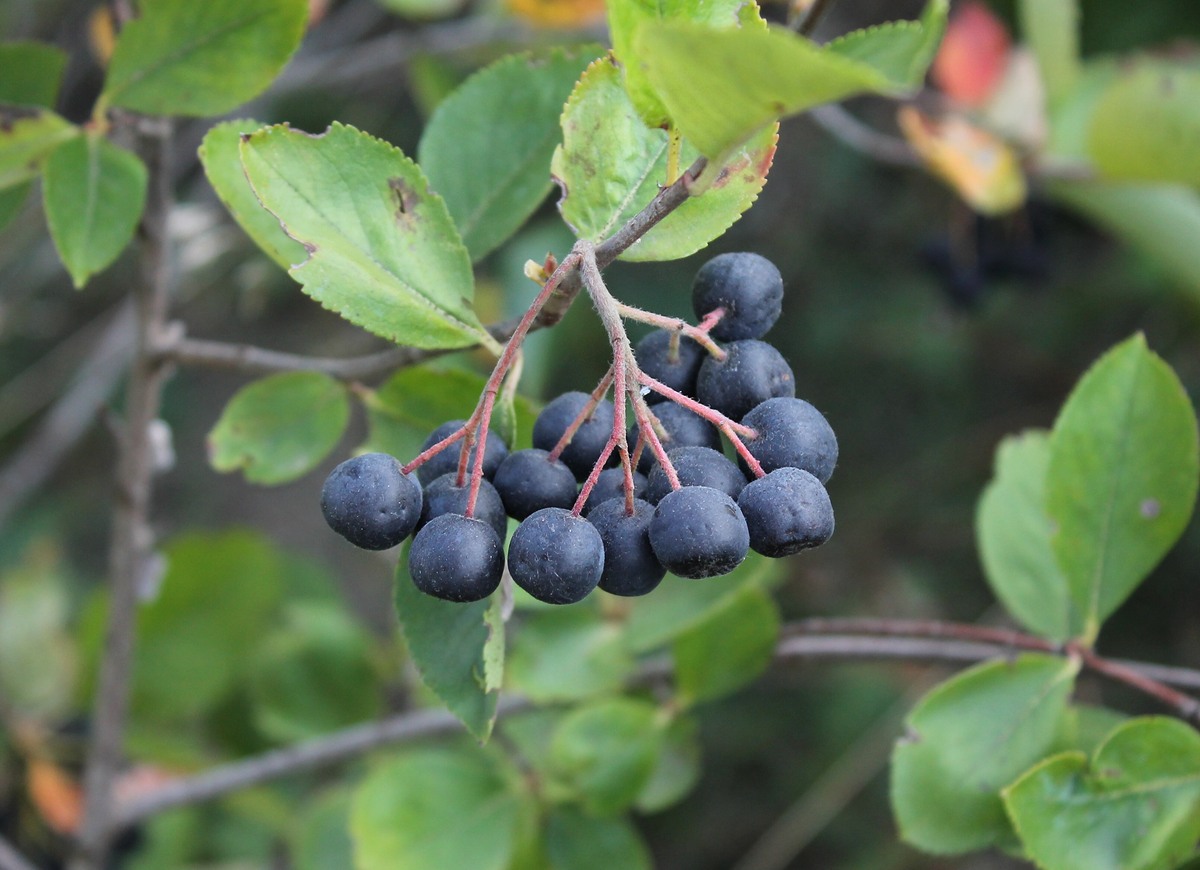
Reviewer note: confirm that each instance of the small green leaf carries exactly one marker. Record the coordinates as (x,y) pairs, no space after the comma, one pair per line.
(456,648)
(1083,728)
(383,251)
(1014,539)
(731,647)
(677,770)
(219,153)
(186,58)
(624,19)
(680,605)
(1122,478)
(279,428)
(504,418)
(1051,28)
(575,841)
(722,87)
(422,10)
(438,808)
(606,752)
(94,193)
(312,676)
(567,654)
(492,183)
(1136,806)
(30,73)
(901,50)
(1147,125)
(611,165)
(27,138)
(967,739)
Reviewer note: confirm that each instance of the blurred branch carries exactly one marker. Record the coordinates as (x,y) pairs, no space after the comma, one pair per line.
(934,643)
(71,416)
(816,11)
(11,859)
(847,129)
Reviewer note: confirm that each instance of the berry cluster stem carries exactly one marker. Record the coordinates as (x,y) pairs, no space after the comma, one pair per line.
(698,333)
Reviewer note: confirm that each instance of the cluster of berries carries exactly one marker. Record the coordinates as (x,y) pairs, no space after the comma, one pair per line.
(672,502)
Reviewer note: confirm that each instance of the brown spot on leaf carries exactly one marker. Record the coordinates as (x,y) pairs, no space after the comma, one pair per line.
(405,198)
(1150,508)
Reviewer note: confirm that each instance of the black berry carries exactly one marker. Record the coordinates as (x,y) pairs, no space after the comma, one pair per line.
(696,466)
(791,432)
(698,532)
(456,558)
(589,440)
(370,502)
(528,481)
(630,566)
(787,511)
(444,497)
(752,372)
(611,484)
(556,556)
(747,286)
(676,370)
(447,460)
(683,428)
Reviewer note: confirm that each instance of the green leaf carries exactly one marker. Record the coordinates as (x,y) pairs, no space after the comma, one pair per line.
(1083,728)
(312,676)
(212,609)
(1163,222)
(731,647)
(416,400)
(901,50)
(611,165)
(30,73)
(279,428)
(457,649)
(575,841)
(504,418)
(1122,478)
(11,202)
(322,835)
(568,654)
(1146,126)
(967,739)
(422,10)
(1136,806)
(94,193)
(1014,539)
(492,183)
(27,137)
(223,165)
(722,87)
(383,251)
(624,19)
(1051,28)
(679,605)
(677,770)
(605,753)
(186,58)
(438,808)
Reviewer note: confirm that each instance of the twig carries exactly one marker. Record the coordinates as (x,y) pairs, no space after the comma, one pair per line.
(131,539)
(806,25)
(795,645)
(11,859)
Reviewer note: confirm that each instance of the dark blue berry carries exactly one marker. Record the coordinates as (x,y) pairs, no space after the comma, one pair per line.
(749,288)
(444,497)
(456,558)
(528,481)
(791,432)
(447,460)
(786,511)
(683,429)
(676,370)
(556,557)
(611,484)
(589,440)
(630,566)
(698,532)
(370,502)
(696,466)
(752,372)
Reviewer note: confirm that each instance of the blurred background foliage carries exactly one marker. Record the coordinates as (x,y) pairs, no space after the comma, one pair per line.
(271,629)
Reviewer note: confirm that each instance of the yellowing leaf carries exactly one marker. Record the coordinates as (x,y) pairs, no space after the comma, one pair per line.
(980,166)
(558,13)
(58,798)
